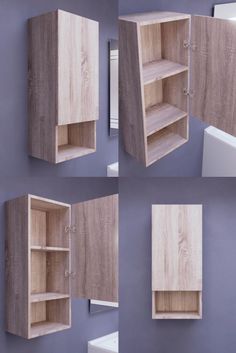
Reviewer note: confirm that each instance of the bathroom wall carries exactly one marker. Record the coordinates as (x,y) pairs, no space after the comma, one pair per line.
(215,333)
(84,325)
(186,160)
(13,88)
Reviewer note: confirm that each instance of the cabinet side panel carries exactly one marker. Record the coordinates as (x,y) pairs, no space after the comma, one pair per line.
(131,96)
(177,247)
(95,249)
(42,85)
(17,268)
(78,75)
(213,73)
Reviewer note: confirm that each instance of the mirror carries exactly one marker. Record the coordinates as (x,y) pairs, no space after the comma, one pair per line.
(113,88)
(225,11)
(96,306)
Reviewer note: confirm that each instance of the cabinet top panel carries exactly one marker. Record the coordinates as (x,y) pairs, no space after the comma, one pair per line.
(60,12)
(149,18)
(42,203)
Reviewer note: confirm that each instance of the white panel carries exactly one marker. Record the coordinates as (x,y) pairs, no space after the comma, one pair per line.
(113,170)
(219,154)
(226,11)
(105,344)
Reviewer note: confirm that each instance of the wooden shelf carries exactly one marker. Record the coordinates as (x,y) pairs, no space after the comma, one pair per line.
(162,115)
(48,248)
(46,327)
(67,152)
(162,143)
(161,69)
(42,297)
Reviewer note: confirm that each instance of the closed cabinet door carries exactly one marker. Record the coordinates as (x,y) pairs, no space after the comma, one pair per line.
(78,61)
(177,247)
(95,249)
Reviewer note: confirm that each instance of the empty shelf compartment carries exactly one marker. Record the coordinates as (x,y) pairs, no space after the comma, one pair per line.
(162,115)
(161,69)
(177,305)
(48,225)
(75,140)
(166,140)
(49,316)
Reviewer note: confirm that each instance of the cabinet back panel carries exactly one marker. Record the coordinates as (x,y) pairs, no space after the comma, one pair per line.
(173,91)
(151,43)
(153,94)
(57,311)
(57,221)
(82,134)
(177,301)
(48,272)
(173,35)
(58,263)
(38,227)
(38,312)
(38,272)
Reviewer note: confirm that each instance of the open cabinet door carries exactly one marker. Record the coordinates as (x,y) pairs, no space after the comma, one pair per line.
(213,72)
(95,249)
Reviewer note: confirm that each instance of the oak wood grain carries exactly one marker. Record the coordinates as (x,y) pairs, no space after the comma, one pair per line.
(149,18)
(131,90)
(17,267)
(63,81)
(177,247)
(78,65)
(96,242)
(213,72)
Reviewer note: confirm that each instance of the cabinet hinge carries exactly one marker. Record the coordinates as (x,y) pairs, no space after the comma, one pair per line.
(70,274)
(70,229)
(188,45)
(189,93)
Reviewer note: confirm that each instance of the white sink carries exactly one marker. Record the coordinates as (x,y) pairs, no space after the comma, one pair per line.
(105,344)
(113,170)
(219,154)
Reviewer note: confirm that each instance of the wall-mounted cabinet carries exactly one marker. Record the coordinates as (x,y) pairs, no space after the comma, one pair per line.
(176,261)
(159,52)
(63,86)
(55,251)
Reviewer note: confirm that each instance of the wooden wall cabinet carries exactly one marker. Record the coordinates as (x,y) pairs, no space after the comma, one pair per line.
(177,261)
(55,251)
(63,86)
(171,66)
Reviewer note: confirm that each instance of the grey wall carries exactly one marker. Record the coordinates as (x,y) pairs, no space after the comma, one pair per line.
(13,88)
(216,332)
(186,160)
(84,325)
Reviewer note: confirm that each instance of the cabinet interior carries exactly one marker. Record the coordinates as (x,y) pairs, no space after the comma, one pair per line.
(49,316)
(177,304)
(75,140)
(166,117)
(165,80)
(50,265)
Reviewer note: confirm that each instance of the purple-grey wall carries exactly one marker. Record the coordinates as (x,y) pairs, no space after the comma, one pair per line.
(216,332)
(13,88)
(186,160)
(84,325)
